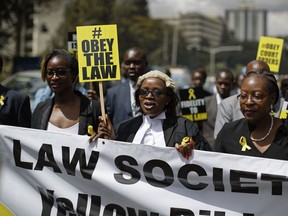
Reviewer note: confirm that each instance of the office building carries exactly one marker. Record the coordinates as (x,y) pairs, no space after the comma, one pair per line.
(246,23)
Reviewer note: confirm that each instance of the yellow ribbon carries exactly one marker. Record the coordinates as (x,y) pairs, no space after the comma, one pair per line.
(191,94)
(90,130)
(2,98)
(243,143)
(185,141)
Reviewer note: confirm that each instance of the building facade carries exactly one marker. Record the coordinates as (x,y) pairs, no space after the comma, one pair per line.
(246,23)
(199,30)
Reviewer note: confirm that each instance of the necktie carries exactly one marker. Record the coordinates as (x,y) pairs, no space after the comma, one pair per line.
(142,130)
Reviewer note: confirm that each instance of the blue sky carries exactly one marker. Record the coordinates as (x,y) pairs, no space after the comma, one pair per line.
(277,10)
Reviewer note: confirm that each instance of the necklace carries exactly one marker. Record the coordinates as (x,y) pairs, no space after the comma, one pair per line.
(268,133)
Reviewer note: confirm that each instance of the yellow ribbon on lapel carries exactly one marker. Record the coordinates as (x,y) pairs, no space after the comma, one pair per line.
(185,141)
(90,130)
(243,143)
(2,98)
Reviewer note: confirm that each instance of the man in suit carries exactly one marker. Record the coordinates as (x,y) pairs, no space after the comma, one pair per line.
(229,109)
(120,102)
(224,84)
(14,107)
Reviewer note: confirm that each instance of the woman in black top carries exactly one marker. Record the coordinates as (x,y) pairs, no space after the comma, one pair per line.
(259,133)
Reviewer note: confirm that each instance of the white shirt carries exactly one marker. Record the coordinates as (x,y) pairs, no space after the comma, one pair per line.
(151,131)
(135,109)
(218,99)
(72,130)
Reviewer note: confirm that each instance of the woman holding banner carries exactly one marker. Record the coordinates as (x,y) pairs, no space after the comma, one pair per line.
(68,111)
(158,125)
(258,133)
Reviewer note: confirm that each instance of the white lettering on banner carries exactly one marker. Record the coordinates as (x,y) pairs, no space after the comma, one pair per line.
(60,174)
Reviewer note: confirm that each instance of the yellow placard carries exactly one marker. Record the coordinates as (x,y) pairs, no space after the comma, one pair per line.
(270,51)
(98,53)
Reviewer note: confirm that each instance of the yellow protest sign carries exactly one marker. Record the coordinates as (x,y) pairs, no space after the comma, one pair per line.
(270,51)
(98,54)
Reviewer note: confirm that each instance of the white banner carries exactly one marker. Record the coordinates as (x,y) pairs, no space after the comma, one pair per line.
(45,173)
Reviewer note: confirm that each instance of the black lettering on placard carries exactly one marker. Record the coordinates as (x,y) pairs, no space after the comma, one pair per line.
(85,75)
(46,150)
(167,177)
(103,72)
(17,156)
(88,58)
(85,46)
(120,164)
(100,45)
(99,59)
(183,175)
(79,156)
(276,181)
(108,58)
(237,184)
(74,45)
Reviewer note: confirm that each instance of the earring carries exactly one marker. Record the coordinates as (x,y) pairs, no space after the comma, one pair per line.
(271,109)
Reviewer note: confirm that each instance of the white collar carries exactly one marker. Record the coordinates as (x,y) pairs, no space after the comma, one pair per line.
(161,116)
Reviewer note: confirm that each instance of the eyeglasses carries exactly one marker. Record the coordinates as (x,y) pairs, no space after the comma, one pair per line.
(254,97)
(60,72)
(154,92)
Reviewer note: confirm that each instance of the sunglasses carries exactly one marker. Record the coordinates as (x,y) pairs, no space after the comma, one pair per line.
(155,92)
(60,72)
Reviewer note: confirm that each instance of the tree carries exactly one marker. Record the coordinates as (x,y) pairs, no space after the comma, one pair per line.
(135,27)
(16,16)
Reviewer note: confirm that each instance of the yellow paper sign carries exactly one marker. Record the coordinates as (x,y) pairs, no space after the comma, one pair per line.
(98,54)
(270,51)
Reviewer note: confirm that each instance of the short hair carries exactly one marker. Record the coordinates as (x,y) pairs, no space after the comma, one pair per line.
(272,86)
(138,50)
(201,71)
(227,71)
(71,61)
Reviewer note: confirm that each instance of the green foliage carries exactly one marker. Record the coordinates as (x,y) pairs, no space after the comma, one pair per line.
(134,26)
(16,15)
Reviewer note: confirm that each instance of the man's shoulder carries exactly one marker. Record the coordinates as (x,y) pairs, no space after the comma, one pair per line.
(16,95)
(230,100)
(117,88)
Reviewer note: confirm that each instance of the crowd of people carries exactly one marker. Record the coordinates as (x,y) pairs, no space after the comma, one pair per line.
(143,107)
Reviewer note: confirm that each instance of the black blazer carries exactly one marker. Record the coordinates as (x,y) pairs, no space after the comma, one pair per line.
(89,113)
(175,128)
(16,110)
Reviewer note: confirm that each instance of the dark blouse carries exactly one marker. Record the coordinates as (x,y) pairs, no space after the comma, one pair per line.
(228,141)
